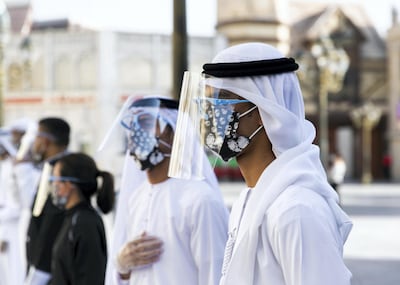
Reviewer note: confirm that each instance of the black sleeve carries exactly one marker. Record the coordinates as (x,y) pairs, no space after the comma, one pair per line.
(89,250)
(42,233)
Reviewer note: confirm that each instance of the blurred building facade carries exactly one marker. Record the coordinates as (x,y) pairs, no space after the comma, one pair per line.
(393,49)
(296,27)
(60,68)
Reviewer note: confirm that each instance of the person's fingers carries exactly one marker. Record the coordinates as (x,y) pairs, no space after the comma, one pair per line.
(143,250)
(145,243)
(147,248)
(148,257)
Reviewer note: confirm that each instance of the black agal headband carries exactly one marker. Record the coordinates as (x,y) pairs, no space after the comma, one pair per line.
(251,68)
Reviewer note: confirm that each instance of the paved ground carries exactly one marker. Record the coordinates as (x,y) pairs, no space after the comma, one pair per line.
(372,251)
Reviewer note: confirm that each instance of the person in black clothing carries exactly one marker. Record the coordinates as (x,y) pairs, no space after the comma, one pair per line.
(51,143)
(80,251)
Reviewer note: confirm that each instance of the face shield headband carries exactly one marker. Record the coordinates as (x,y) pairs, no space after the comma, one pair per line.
(145,127)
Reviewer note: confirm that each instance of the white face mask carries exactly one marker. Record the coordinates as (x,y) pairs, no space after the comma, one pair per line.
(60,201)
(38,154)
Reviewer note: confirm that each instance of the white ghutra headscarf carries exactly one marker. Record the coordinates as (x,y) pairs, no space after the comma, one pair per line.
(278,97)
(281,107)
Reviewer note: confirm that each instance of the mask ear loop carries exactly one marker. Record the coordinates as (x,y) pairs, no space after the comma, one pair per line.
(255,132)
(247,112)
(164,143)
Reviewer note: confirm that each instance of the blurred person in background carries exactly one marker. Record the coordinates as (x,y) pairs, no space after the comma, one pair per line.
(337,172)
(79,254)
(171,231)
(19,177)
(386,166)
(50,144)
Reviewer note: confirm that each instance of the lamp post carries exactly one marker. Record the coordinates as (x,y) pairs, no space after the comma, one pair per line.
(366,117)
(332,63)
(179,46)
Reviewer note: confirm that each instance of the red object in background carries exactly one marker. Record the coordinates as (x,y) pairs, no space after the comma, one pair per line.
(387,160)
(221,173)
(228,173)
(386,165)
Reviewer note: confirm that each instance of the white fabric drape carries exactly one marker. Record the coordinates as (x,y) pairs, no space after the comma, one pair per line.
(297,165)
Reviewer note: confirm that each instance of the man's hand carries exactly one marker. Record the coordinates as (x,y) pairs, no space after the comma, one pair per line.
(141,251)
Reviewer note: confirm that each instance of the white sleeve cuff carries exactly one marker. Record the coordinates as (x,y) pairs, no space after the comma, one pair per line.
(37,277)
(118,280)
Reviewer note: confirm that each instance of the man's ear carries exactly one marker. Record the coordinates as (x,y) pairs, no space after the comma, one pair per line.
(169,133)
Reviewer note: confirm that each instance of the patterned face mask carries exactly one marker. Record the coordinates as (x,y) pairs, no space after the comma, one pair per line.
(143,142)
(219,127)
(153,158)
(233,143)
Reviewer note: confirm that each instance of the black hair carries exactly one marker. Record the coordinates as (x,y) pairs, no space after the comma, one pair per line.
(58,128)
(83,167)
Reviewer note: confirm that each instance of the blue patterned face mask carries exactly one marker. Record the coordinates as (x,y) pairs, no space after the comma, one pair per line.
(220,124)
(144,126)
(153,158)
(233,143)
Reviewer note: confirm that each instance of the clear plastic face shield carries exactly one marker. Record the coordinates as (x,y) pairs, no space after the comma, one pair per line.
(20,151)
(144,130)
(208,117)
(59,200)
(6,146)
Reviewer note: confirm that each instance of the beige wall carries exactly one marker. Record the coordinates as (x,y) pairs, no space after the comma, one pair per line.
(84,76)
(393,47)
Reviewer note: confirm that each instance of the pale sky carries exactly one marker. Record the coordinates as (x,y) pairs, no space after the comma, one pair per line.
(156,15)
